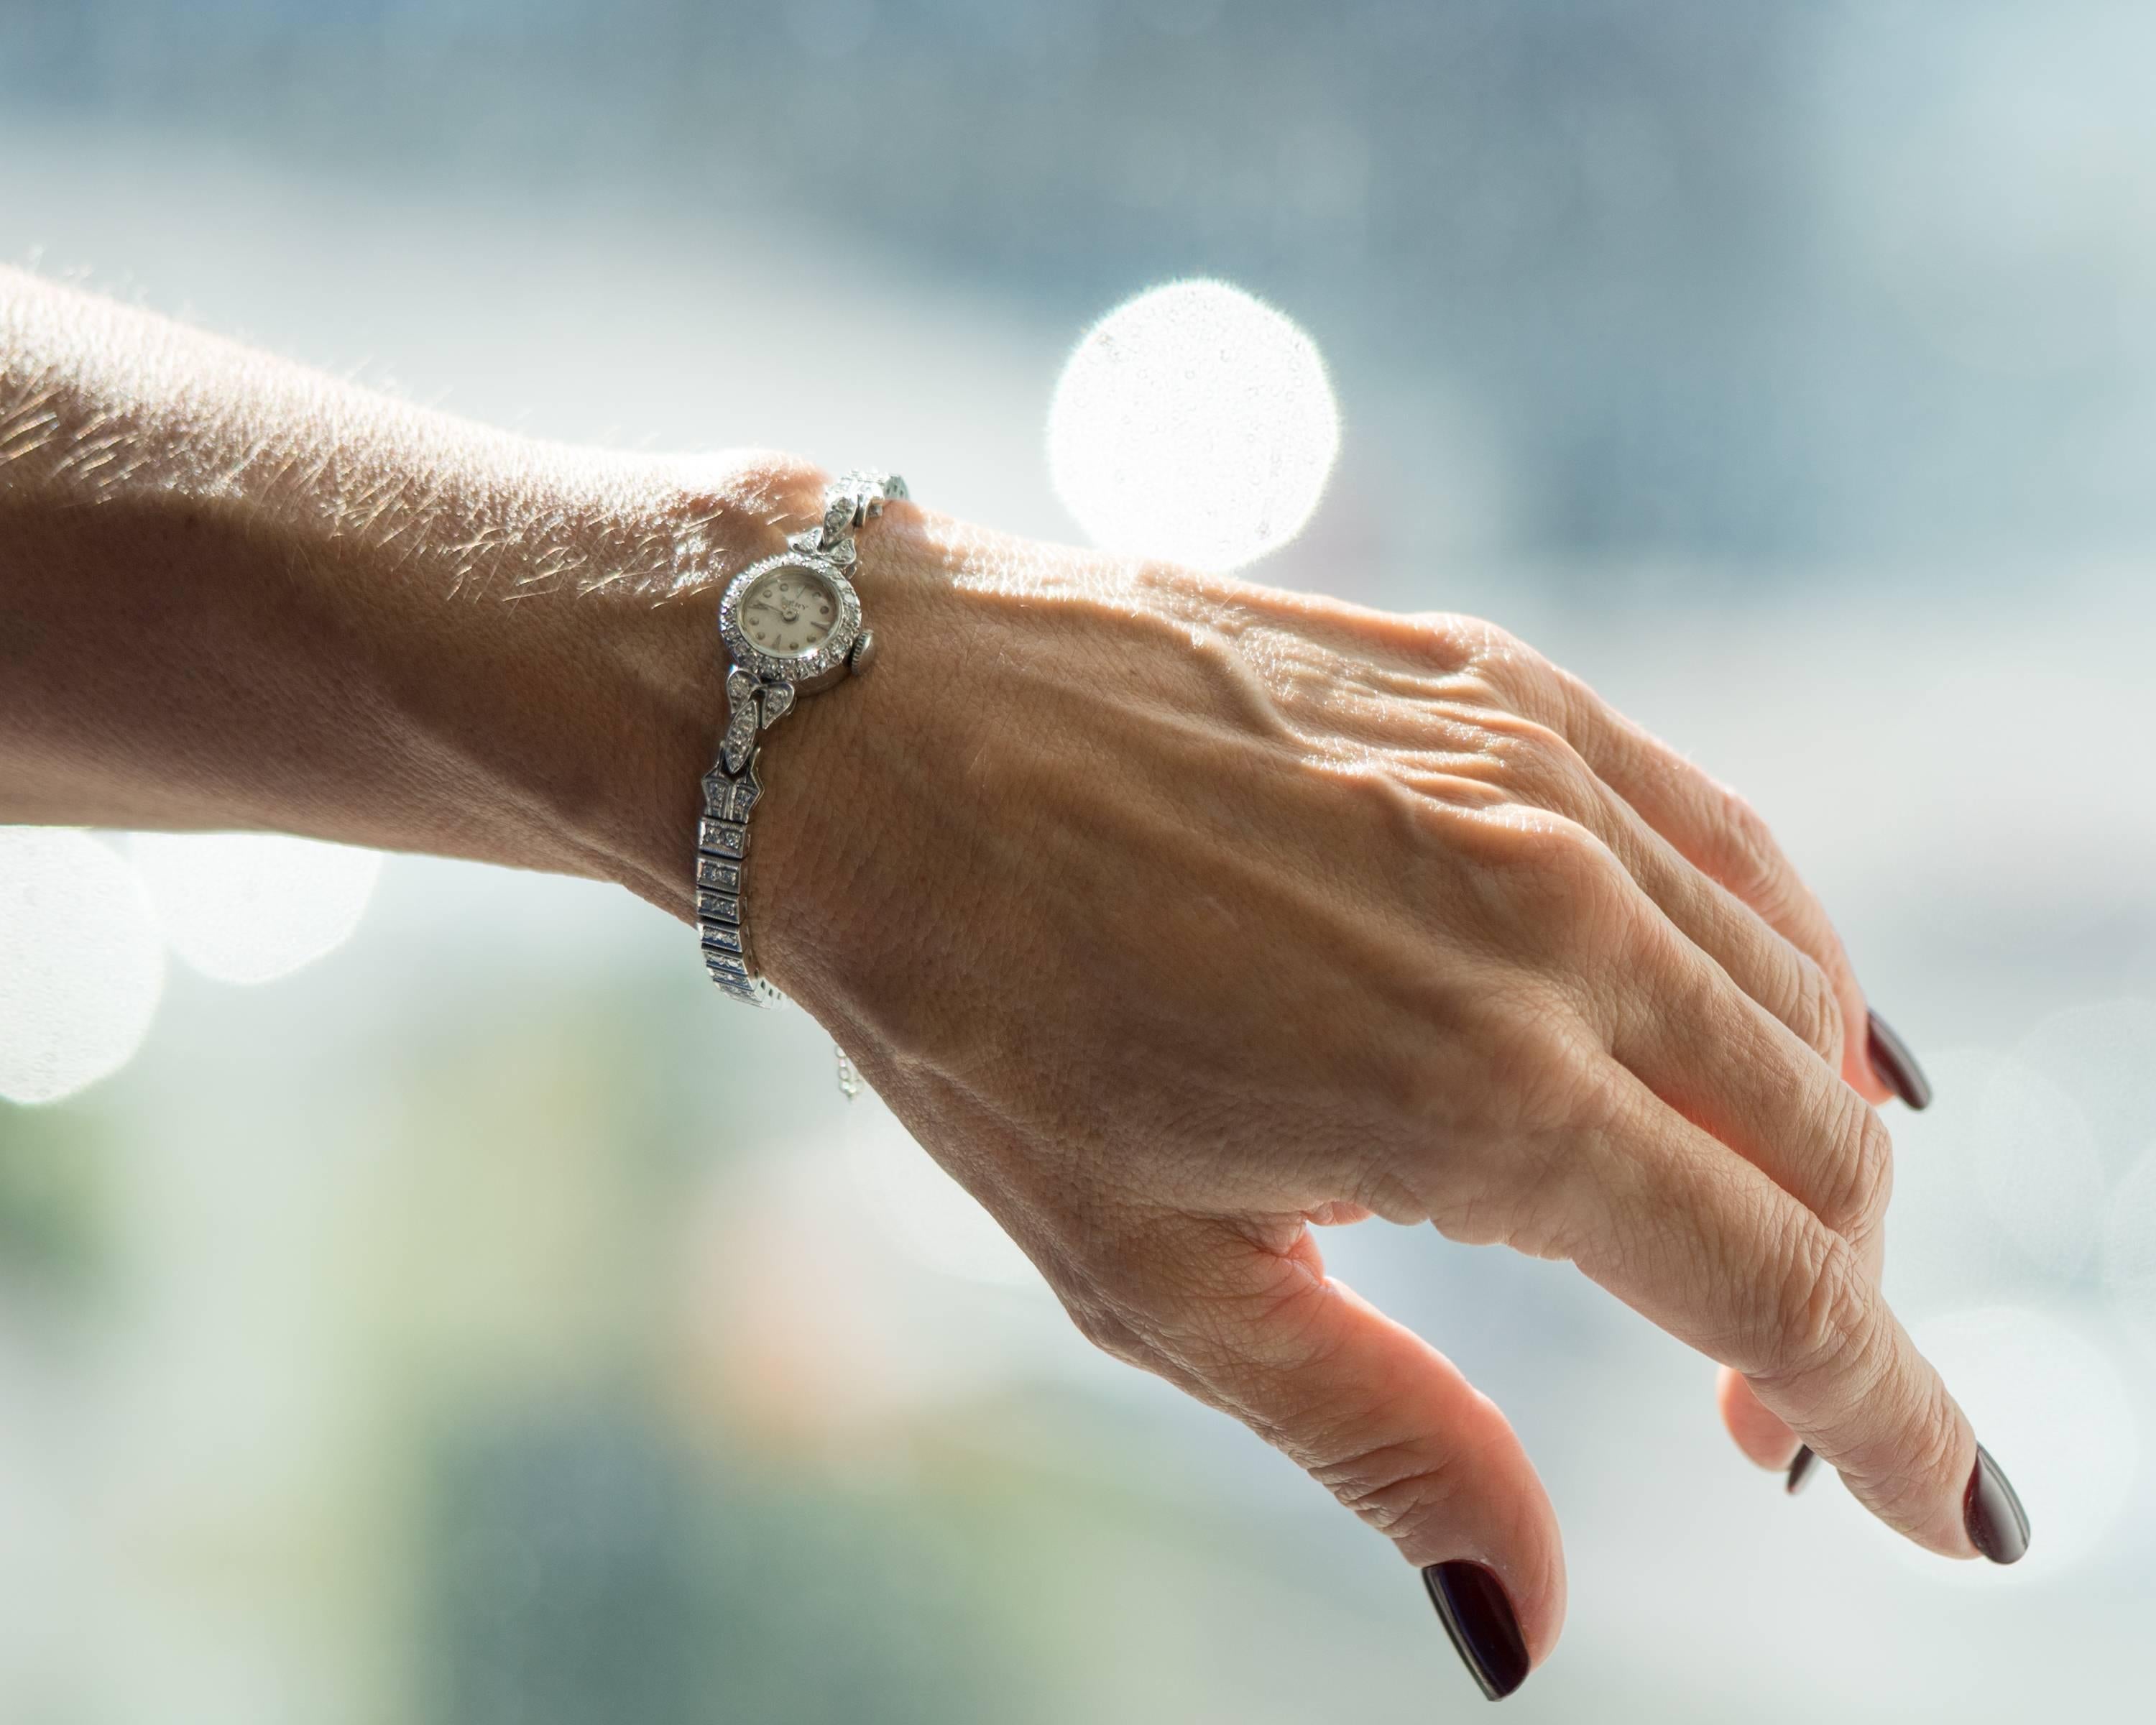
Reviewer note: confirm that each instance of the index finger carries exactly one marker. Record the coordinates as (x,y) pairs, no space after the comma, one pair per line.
(1692,1236)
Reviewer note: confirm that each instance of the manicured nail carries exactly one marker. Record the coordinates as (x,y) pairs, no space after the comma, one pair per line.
(1472,1606)
(1998,1526)
(1800,1470)
(1896,1066)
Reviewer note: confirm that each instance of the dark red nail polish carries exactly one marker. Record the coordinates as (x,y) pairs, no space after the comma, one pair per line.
(1998,1526)
(1800,1470)
(1896,1067)
(1471,1605)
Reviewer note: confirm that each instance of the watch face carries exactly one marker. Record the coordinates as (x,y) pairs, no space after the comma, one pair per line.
(790,612)
(792,618)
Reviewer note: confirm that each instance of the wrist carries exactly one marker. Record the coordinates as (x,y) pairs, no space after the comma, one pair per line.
(619,646)
(898,800)
(883,795)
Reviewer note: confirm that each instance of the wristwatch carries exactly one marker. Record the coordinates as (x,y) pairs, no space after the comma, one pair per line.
(792,625)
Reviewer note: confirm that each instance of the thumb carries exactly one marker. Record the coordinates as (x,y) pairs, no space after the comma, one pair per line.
(1382,1420)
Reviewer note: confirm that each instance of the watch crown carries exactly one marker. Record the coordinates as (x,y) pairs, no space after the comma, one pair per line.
(863,654)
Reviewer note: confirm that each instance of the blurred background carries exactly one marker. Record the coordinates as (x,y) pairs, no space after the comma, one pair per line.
(387,1333)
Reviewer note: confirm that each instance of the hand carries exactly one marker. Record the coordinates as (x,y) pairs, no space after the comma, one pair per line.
(1171,915)
(1174,915)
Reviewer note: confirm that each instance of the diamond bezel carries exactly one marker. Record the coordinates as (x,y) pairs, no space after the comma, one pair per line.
(828,655)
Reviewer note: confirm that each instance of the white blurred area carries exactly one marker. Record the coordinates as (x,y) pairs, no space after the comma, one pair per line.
(84,929)
(81,963)
(1194,423)
(250,907)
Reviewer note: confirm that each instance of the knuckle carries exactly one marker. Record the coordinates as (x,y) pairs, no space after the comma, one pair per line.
(1537,860)
(1537,766)
(1574,708)
(1551,896)
(1849,1189)
(1506,665)
(1580,888)
(1814,1009)
(1820,1318)
(1450,642)
(1870,1176)
(1746,855)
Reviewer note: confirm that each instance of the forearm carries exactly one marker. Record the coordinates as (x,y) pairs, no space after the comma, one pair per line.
(237,593)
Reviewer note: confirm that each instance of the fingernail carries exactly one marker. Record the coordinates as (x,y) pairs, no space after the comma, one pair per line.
(1998,1526)
(1800,1470)
(1896,1066)
(1472,1606)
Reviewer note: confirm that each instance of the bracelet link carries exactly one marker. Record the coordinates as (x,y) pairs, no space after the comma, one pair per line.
(754,703)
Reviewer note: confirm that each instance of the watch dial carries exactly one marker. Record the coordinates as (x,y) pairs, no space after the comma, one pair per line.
(790,612)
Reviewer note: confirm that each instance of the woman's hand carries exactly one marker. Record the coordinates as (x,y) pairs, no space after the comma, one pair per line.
(1174,915)
(1171,915)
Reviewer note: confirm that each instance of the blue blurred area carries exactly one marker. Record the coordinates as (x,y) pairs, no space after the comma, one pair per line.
(1826,280)
(398,1342)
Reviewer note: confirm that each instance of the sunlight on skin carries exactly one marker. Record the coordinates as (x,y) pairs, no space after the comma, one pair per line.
(1193,423)
(250,907)
(81,963)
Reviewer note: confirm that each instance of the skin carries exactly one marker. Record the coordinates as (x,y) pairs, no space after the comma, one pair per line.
(1173,914)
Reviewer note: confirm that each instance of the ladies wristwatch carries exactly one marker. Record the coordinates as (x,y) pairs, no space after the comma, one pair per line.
(792,625)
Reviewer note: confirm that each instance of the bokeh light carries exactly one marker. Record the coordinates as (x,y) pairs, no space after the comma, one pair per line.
(81,965)
(1194,423)
(1944,1253)
(2129,1250)
(2055,1410)
(249,907)
(2103,1054)
(2038,1167)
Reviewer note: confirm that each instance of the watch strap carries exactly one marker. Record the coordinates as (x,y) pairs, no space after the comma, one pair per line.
(732,789)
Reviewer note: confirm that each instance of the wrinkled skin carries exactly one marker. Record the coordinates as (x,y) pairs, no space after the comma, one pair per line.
(1174,915)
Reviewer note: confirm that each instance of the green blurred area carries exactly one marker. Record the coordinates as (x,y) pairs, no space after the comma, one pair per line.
(411,1362)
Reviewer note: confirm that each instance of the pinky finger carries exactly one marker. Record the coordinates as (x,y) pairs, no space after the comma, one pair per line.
(1724,838)
(1763,1436)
